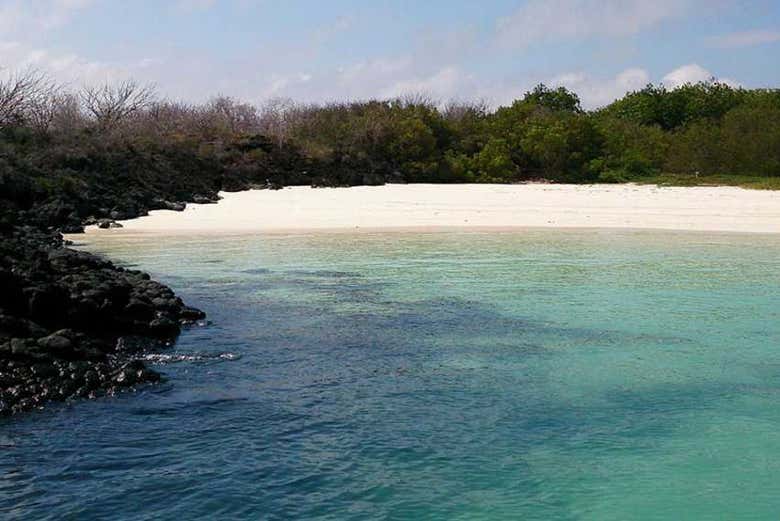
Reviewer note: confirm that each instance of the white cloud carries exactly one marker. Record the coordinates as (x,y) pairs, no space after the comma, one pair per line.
(693,73)
(442,84)
(21,19)
(633,79)
(66,68)
(389,78)
(368,79)
(379,68)
(597,92)
(381,78)
(554,20)
(439,64)
(280,85)
(746,39)
(24,17)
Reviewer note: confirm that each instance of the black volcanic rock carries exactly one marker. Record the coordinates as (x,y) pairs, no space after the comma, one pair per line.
(71,322)
(175,206)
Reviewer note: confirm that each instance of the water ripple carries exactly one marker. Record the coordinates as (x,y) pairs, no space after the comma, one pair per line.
(535,376)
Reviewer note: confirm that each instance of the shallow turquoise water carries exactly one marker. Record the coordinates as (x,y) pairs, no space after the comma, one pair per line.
(604,375)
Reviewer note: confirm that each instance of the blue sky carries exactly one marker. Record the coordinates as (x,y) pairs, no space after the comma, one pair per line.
(311,50)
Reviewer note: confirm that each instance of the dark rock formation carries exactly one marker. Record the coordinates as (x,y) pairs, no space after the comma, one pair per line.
(175,206)
(205,199)
(71,322)
(108,223)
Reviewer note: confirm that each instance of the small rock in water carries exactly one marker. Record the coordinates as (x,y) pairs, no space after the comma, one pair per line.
(190,314)
(163,328)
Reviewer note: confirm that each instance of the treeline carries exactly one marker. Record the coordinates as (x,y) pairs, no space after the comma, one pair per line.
(705,129)
(118,150)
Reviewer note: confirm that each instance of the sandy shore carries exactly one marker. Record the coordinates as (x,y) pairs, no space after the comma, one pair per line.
(724,209)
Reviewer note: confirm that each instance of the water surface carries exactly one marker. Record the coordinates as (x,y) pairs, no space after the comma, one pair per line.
(604,375)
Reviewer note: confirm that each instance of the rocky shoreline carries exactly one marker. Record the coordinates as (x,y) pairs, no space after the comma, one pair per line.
(73,324)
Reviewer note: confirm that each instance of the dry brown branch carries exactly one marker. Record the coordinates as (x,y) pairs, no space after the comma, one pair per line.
(23,96)
(110,105)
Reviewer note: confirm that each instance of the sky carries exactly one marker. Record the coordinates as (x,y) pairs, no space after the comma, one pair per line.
(332,50)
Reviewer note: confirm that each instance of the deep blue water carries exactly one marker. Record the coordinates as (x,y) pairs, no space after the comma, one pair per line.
(535,375)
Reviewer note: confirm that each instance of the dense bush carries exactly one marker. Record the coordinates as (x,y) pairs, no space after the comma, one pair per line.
(117,150)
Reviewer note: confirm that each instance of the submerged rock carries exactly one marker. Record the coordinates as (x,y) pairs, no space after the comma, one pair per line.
(189,314)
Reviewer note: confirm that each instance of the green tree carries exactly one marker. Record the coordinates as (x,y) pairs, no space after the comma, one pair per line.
(560,99)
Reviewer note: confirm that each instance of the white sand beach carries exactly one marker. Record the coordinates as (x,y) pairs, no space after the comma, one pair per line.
(418,206)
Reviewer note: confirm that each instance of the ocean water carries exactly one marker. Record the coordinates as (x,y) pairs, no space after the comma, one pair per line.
(588,375)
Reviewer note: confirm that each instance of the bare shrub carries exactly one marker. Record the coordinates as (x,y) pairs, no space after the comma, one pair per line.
(277,118)
(456,110)
(110,105)
(26,95)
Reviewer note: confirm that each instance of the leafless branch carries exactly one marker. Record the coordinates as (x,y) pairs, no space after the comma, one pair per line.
(21,93)
(110,105)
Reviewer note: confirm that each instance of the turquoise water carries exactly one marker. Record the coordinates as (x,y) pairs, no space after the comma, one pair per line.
(601,375)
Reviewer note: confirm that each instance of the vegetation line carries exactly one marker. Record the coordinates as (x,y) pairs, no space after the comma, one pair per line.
(116,151)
